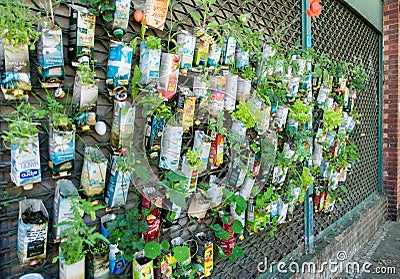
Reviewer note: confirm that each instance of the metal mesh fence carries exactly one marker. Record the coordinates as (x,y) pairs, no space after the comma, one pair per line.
(271,15)
(343,35)
(357,42)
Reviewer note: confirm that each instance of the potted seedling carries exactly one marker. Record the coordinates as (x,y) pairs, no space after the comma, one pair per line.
(94,171)
(118,181)
(150,55)
(206,32)
(81,34)
(125,232)
(62,205)
(85,86)
(50,51)
(32,231)
(17,33)
(192,165)
(79,239)
(231,88)
(218,133)
(244,84)
(97,261)
(22,139)
(62,137)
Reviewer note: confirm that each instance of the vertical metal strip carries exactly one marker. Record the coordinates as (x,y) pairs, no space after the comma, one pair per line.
(308,201)
(380,117)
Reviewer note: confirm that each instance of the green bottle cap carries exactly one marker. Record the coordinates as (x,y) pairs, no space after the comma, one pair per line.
(118,33)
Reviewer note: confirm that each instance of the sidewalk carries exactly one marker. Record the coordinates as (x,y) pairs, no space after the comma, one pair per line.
(383,252)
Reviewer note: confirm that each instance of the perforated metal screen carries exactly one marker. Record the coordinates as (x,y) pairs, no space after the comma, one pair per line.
(343,35)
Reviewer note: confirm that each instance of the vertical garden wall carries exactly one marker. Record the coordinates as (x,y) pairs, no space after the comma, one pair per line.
(338,31)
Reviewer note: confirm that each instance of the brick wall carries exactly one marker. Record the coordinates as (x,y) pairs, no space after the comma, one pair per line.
(349,237)
(391,100)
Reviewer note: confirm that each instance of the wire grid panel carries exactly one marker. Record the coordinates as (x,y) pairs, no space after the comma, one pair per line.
(283,16)
(343,35)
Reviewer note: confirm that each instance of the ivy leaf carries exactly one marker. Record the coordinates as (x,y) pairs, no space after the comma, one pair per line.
(237,227)
(181,253)
(152,249)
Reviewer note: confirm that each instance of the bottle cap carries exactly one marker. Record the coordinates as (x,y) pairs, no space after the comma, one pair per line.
(118,33)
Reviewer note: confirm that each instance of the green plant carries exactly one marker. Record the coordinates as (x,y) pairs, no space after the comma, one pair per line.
(105,8)
(152,42)
(154,249)
(248,73)
(216,125)
(59,114)
(175,182)
(194,160)
(79,238)
(126,231)
(17,23)
(201,19)
(86,74)
(23,125)
(246,113)
(301,112)
(332,119)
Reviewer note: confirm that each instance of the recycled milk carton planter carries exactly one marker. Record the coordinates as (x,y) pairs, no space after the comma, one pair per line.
(243,89)
(119,67)
(229,50)
(191,174)
(50,54)
(200,142)
(215,54)
(120,17)
(169,74)
(171,143)
(241,58)
(123,124)
(61,151)
(32,238)
(218,84)
(149,64)
(186,50)
(72,271)
(15,80)
(117,185)
(142,268)
(94,171)
(85,96)
(231,91)
(62,210)
(25,163)
(98,266)
(81,33)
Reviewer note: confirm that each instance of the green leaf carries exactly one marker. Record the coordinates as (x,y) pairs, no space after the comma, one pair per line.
(165,245)
(237,227)
(195,16)
(344,189)
(181,253)
(152,249)
(177,197)
(176,176)
(142,172)
(226,219)
(237,252)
